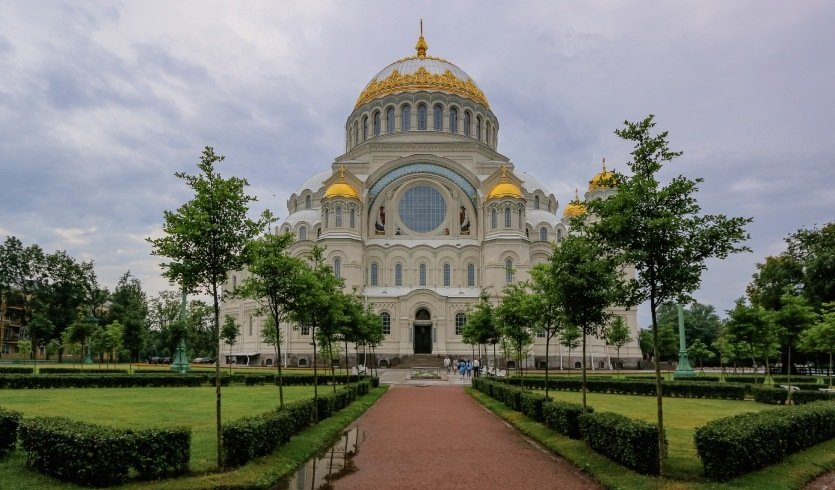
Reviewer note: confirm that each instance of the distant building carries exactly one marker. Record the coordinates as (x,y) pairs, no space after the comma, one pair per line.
(419,215)
(12,330)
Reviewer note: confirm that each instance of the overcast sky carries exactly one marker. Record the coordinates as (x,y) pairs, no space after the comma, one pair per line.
(101,102)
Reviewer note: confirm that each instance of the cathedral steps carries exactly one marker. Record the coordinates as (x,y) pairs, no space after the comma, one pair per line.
(420,360)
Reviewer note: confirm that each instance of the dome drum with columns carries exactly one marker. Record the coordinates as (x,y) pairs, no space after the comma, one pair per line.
(420,215)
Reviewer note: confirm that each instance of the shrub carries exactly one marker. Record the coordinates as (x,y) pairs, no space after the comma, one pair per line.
(161,452)
(633,443)
(769,395)
(641,386)
(564,417)
(90,370)
(21,381)
(9,422)
(15,369)
(700,379)
(803,397)
(531,405)
(735,445)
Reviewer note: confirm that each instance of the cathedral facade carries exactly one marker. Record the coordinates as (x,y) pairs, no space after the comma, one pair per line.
(419,216)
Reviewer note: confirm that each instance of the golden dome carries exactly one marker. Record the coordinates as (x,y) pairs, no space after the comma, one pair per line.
(603,180)
(505,188)
(421,73)
(341,188)
(575,208)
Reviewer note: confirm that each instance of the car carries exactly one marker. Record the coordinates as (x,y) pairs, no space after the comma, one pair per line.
(165,360)
(203,360)
(154,360)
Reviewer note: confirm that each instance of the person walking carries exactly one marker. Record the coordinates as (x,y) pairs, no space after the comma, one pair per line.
(447,362)
(462,368)
(476,366)
(469,368)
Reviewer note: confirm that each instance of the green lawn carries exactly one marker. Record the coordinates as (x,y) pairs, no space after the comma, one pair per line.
(153,407)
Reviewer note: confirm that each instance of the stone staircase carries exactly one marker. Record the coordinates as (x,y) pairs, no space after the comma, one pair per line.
(420,360)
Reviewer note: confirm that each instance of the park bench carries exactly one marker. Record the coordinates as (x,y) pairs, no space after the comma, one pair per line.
(790,388)
(828,391)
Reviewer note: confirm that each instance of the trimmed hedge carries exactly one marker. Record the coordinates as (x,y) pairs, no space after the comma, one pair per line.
(749,378)
(700,379)
(22,381)
(90,370)
(564,417)
(769,395)
(9,422)
(735,445)
(803,397)
(722,391)
(16,370)
(633,443)
(94,455)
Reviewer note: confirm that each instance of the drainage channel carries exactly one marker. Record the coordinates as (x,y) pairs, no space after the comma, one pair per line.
(320,472)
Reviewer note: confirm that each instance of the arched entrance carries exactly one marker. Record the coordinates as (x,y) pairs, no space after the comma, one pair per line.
(423,332)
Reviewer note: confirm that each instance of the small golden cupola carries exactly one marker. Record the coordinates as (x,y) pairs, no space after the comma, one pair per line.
(603,180)
(341,188)
(505,188)
(575,208)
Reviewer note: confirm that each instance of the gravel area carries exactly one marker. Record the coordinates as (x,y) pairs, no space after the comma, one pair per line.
(823,482)
(439,437)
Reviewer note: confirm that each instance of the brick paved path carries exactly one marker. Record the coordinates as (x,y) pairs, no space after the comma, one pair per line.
(439,437)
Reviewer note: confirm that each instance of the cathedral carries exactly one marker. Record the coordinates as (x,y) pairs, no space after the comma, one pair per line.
(419,216)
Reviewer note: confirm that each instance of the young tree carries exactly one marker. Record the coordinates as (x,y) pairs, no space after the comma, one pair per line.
(129,307)
(821,337)
(618,336)
(517,317)
(660,231)
(570,338)
(113,335)
(700,352)
(549,314)
(229,333)
(752,327)
(204,239)
(481,326)
(794,316)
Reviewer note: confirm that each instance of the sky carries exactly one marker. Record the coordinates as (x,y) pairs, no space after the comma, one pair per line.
(102,102)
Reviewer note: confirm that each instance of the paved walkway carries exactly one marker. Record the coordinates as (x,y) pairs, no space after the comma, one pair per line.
(439,437)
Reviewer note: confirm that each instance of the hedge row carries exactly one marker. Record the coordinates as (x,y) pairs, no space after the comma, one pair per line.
(724,391)
(21,381)
(90,370)
(633,443)
(9,422)
(778,396)
(749,378)
(700,379)
(15,369)
(89,454)
(735,445)
(251,437)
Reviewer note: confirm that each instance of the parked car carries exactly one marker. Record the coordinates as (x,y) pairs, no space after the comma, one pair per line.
(165,360)
(203,360)
(154,360)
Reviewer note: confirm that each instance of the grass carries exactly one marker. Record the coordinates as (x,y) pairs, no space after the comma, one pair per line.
(684,467)
(264,472)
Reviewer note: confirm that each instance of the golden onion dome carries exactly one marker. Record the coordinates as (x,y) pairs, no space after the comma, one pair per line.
(421,73)
(341,188)
(603,180)
(504,188)
(575,208)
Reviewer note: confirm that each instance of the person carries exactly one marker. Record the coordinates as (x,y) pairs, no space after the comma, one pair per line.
(462,368)
(446,364)
(380,223)
(476,366)
(455,366)
(469,368)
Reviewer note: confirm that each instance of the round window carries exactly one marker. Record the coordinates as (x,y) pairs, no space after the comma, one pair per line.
(422,209)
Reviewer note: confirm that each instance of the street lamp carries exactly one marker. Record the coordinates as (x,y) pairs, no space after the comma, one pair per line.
(91,320)
(180,362)
(683,370)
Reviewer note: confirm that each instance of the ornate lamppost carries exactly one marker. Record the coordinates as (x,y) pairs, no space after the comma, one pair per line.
(684,370)
(180,362)
(91,321)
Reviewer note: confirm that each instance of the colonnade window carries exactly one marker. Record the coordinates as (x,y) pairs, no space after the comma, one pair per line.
(374,273)
(447,275)
(508,271)
(307,202)
(364,128)
(338,217)
(398,274)
(390,120)
(356,133)
(377,123)
(507,217)
(466,123)
(478,127)
(470,275)
(438,120)
(406,117)
(421,119)
(337,268)
(303,233)
(453,120)
(559,235)
(352,219)
(422,275)
(543,234)
(536,202)
(327,222)
(460,321)
(493,219)
(488,133)
(385,319)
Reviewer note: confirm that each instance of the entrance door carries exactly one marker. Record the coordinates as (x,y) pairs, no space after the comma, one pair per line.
(423,339)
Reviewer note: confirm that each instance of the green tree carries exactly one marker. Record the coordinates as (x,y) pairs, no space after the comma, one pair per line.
(814,249)
(618,335)
(24,349)
(23,277)
(699,351)
(71,287)
(229,333)
(700,322)
(114,339)
(773,278)
(517,319)
(204,239)
(794,316)
(129,307)
(660,231)
(570,338)
(481,326)
(821,337)
(751,326)
(274,285)
(549,314)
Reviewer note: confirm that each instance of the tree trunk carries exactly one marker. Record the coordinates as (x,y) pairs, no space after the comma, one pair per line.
(278,363)
(789,379)
(216,338)
(662,443)
(315,378)
(547,344)
(583,387)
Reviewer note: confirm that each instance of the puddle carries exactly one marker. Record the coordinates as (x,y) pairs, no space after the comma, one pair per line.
(320,472)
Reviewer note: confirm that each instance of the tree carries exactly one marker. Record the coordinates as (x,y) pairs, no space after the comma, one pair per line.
(517,318)
(751,326)
(274,285)
(570,338)
(113,336)
(24,349)
(794,316)
(660,231)
(481,326)
(549,314)
(815,251)
(583,284)
(204,239)
(700,322)
(699,351)
(821,337)
(618,336)
(23,276)
(129,307)
(229,334)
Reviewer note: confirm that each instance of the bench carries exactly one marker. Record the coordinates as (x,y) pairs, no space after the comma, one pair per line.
(790,388)
(828,391)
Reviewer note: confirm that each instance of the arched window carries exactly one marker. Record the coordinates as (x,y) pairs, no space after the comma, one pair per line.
(352,219)
(478,127)
(385,319)
(438,117)
(543,234)
(471,275)
(318,232)
(521,221)
(398,274)
(507,217)
(559,235)
(467,123)
(374,270)
(447,275)
(406,117)
(453,120)
(377,123)
(364,128)
(326,222)
(303,233)
(307,202)
(421,116)
(488,132)
(493,219)
(460,321)
(390,120)
(286,229)
(356,132)
(536,202)
(338,217)
(422,275)
(508,271)
(337,268)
